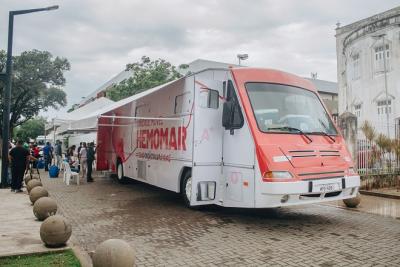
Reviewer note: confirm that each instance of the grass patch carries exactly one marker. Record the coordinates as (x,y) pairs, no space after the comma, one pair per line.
(53,259)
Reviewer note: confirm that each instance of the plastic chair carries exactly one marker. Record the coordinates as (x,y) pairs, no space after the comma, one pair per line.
(70,175)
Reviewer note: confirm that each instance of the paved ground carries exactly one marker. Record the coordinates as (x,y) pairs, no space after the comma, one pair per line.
(386,192)
(167,234)
(383,206)
(19,229)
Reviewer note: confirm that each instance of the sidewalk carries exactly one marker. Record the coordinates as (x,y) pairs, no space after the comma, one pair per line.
(383,192)
(383,206)
(19,228)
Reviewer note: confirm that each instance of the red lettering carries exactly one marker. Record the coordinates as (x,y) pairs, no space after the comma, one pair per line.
(163,140)
(172,139)
(144,138)
(155,142)
(150,140)
(183,141)
(179,138)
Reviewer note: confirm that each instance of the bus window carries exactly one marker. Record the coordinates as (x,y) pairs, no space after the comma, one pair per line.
(180,106)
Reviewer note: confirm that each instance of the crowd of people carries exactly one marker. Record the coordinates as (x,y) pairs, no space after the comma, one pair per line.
(81,159)
(24,157)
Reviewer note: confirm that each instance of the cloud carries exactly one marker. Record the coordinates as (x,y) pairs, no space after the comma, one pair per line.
(100,37)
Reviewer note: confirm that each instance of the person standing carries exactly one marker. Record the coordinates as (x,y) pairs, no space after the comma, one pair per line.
(19,157)
(58,153)
(48,155)
(79,151)
(90,159)
(83,159)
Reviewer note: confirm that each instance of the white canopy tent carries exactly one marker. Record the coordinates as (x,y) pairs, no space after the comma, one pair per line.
(66,121)
(90,121)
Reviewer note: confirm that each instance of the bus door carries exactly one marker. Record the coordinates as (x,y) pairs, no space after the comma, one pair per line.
(207,142)
(238,154)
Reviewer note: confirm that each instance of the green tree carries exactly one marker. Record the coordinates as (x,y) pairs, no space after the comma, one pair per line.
(37,83)
(146,74)
(30,129)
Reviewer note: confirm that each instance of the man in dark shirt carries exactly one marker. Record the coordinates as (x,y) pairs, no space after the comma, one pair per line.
(19,157)
(90,159)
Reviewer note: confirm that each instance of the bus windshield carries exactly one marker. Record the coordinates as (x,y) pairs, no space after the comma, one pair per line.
(284,108)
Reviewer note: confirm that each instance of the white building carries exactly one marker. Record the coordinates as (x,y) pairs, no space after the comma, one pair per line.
(368,67)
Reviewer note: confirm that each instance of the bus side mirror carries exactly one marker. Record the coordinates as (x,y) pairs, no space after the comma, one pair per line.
(227,114)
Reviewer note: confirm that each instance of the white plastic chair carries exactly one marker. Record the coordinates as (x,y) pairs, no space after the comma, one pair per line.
(70,175)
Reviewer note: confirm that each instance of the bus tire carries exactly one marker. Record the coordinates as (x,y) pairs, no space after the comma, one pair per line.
(187,188)
(120,173)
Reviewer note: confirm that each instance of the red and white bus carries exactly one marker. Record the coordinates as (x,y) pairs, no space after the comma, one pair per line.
(238,137)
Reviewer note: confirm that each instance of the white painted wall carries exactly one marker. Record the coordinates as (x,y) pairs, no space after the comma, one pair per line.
(363,85)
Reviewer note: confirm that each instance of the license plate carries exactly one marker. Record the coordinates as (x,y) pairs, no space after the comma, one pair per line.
(326,187)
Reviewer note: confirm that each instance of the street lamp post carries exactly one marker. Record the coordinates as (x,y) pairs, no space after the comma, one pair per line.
(7,89)
(242,57)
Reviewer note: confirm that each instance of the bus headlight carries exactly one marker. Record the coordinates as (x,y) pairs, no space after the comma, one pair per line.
(278,175)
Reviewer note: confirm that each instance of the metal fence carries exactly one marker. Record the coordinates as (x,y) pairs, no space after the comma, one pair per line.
(371,159)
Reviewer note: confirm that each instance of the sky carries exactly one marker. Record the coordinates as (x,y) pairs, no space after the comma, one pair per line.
(100,37)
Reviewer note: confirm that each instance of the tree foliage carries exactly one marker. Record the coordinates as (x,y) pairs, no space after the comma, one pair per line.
(37,83)
(30,129)
(146,74)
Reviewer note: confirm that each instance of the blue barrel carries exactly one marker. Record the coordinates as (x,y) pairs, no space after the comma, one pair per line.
(54,171)
(40,164)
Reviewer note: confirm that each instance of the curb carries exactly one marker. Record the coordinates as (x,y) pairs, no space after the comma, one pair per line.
(378,194)
(31,253)
(83,257)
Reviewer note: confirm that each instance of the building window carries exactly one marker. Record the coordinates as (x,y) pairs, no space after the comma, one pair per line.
(383,108)
(382,52)
(356,66)
(357,110)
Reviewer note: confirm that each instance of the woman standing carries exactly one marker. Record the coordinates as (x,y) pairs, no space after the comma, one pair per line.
(83,159)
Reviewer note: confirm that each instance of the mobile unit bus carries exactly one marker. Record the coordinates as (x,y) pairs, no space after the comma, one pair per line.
(239,137)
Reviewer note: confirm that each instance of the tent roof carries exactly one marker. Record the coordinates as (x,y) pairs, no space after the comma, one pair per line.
(89,121)
(88,108)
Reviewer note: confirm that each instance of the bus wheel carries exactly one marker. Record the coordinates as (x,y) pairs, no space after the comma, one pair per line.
(120,172)
(187,188)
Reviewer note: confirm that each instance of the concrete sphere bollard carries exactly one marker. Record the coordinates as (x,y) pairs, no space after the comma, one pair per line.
(32,184)
(37,193)
(114,252)
(352,202)
(44,207)
(28,177)
(55,231)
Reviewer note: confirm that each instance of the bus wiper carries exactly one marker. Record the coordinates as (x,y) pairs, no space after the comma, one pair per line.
(324,133)
(292,129)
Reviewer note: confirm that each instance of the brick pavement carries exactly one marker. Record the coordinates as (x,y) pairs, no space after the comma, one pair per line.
(165,233)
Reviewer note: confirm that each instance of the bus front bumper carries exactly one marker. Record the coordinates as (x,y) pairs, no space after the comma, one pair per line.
(278,194)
